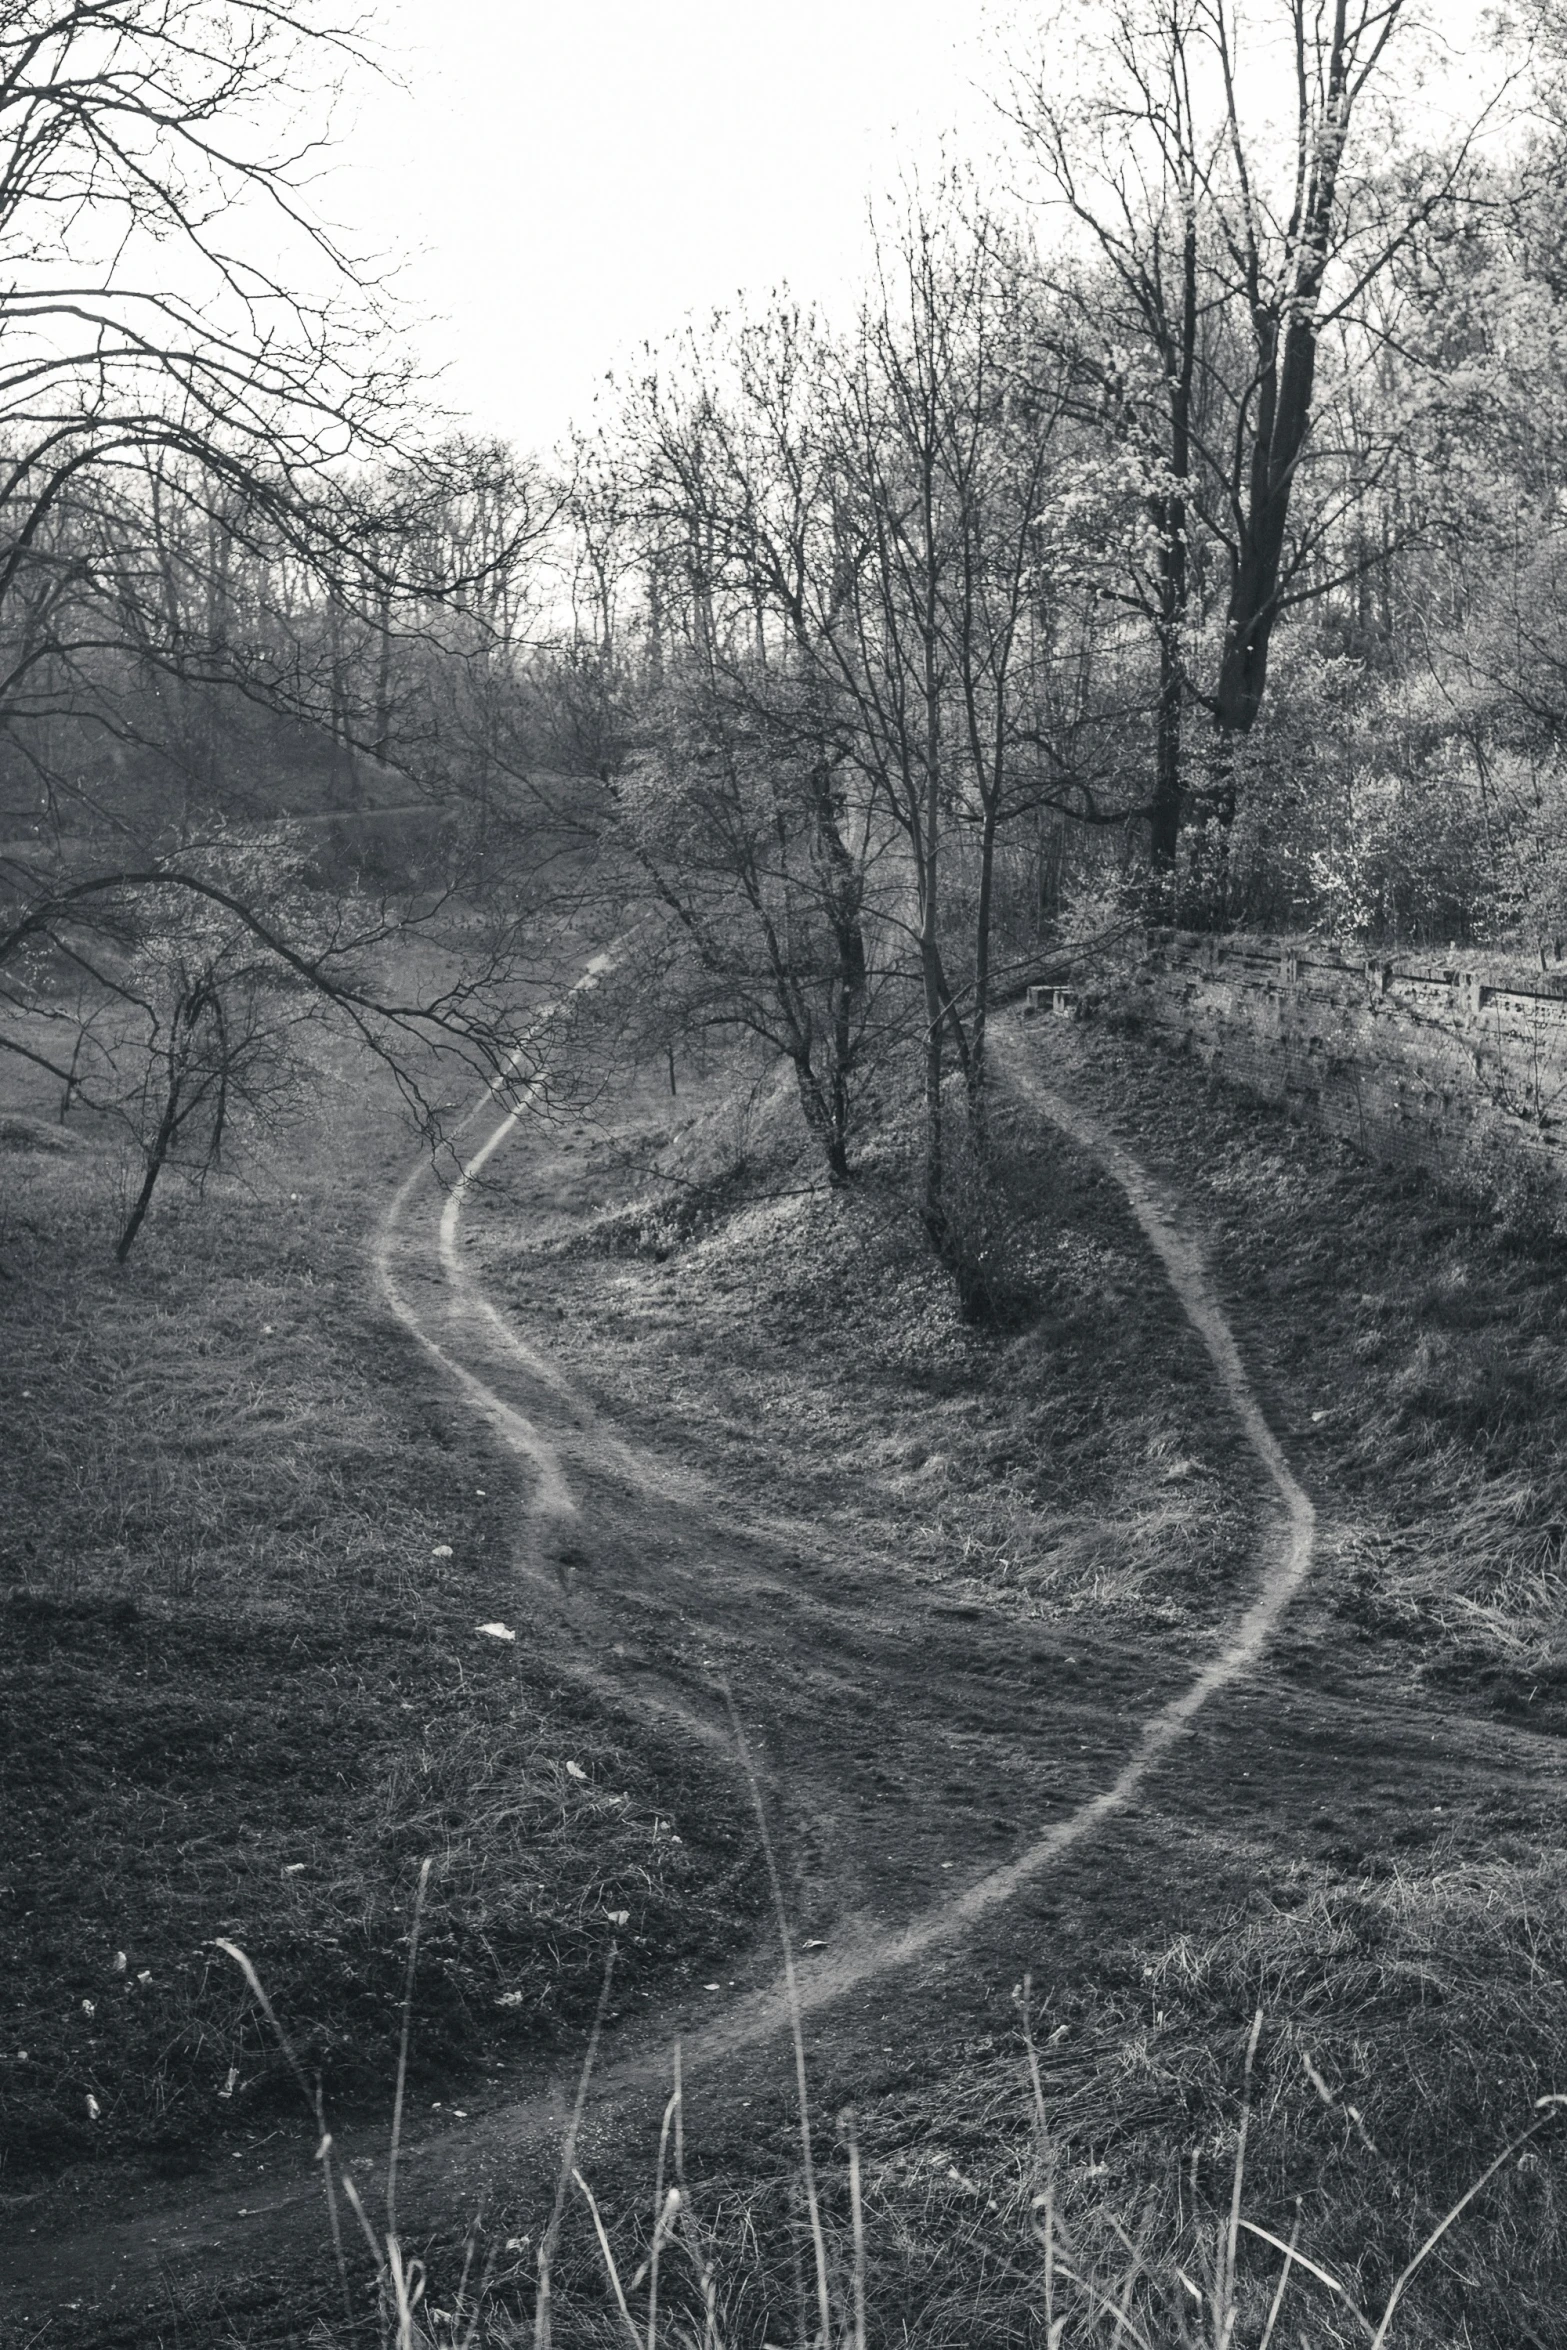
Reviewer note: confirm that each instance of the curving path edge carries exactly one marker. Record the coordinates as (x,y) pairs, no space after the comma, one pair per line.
(440,1306)
(865,1955)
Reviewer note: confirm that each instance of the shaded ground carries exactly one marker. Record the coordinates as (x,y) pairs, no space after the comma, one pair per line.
(244,1545)
(924,1702)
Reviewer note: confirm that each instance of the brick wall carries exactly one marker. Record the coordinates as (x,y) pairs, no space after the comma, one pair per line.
(1424,1061)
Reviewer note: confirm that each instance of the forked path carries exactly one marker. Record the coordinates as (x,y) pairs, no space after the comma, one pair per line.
(874,1725)
(1284,1563)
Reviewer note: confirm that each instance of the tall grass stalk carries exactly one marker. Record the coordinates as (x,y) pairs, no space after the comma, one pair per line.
(568,2159)
(857,2223)
(1282,2287)
(314,2099)
(665,2210)
(796,2028)
(402,2049)
(334,2222)
(1549,2110)
(611,2270)
(1225,2312)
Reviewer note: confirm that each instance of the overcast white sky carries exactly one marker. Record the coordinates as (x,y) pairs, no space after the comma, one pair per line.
(582,173)
(573,177)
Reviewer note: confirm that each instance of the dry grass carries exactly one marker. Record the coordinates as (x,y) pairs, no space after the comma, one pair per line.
(244,1546)
(1304,2196)
(1413,2004)
(1416,1347)
(1411,1997)
(805,1348)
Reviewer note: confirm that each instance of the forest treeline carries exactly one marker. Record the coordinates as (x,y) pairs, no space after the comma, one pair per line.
(1174,531)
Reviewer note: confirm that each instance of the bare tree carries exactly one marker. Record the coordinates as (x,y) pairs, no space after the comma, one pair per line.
(932,632)
(735,813)
(204,1034)
(213,519)
(863,550)
(133,319)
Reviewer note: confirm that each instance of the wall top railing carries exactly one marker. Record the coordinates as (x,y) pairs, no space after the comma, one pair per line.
(1455,984)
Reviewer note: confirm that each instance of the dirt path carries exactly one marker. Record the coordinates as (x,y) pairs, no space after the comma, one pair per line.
(886,1725)
(868,1955)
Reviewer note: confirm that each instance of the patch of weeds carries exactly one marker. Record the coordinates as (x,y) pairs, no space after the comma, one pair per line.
(1521,1191)
(1483,1389)
(681,1211)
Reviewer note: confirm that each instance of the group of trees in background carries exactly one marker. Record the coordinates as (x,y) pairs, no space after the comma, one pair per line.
(1180,538)
(1179,541)
(239,578)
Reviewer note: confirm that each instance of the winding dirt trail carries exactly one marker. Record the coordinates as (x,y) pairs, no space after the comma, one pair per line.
(648,1582)
(867,1955)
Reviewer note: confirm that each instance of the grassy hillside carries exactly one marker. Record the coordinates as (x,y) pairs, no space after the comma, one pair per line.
(1348,1848)
(245,1542)
(236,1606)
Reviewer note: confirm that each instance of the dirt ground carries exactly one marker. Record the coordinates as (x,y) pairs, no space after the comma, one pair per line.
(946,1577)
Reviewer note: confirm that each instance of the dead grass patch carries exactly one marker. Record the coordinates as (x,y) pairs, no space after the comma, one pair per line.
(804,1347)
(1416,1349)
(244,1546)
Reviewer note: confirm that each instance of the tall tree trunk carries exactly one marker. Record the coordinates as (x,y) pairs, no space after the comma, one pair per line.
(1286,379)
(932,1212)
(1165,827)
(157,1157)
(980,1017)
(383,675)
(826,1115)
(1174,572)
(843,895)
(1285,402)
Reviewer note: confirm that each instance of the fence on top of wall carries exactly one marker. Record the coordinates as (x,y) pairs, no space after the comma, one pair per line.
(1432,1061)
